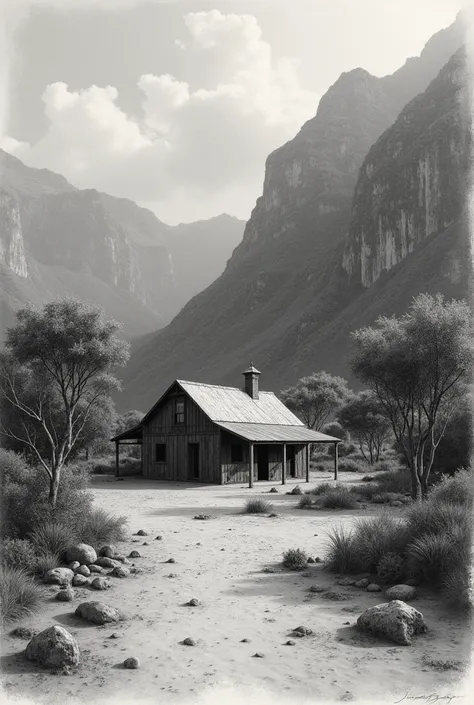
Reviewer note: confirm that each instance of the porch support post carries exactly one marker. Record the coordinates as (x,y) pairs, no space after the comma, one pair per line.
(307,462)
(117,454)
(336,459)
(141,457)
(283,467)
(251,467)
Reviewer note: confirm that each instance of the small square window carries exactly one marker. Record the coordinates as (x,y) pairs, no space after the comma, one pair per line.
(160,453)
(179,412)
(236,453)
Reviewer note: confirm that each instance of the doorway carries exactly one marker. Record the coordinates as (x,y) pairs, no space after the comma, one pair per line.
(291,460)
(193,461)
(263,466)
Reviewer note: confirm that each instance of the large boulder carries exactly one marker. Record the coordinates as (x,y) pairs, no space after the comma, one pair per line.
(59,576)
(83,553)
(98,613)
(54,647)
(396,620)
(401,592)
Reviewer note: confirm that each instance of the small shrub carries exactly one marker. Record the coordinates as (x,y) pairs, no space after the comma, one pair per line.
(391,568)
(342,554)
(377,536)
(45,562)
(20,596)
(433,557)
(457,588)
(436,518)
(99,527)
(18,553)
(322,488)
(323,466)
(258,506)
(394,481)
(368,478)
(334,428)
(338,498)
(387,465)
(295,559)
(53,538)
(350,465)
(387,497)
(458,489)
(305,502)
(365,490)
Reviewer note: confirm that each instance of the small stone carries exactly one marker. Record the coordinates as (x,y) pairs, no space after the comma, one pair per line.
(159,538)
(273,490)
(105,562)
(120,572)
(115,635)
(59,576)
(363,583)
(145,543)
(83,570)
(268,569)
(171,560)
(80,581)
(23,633)
(96,569)
(74,565)
(54,647)
(245,641)
(290,642)
(346,582)
(142,532)
(134,554)
(258,654)
(81,552)
(335,596)
(373,587)
(194,602)
(122,559)
(346,623)
(302,631)
(101,584)
(131,662)
(172,575)
(273,515)
(401,592)
(396,503)
(189,642)
(107,551)
(98,613)
(202,517)
(65,594)
(317,588)
(135,571)
(296,490)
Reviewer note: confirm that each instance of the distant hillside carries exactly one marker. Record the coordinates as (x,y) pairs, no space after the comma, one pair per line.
(57,240)
(289,296)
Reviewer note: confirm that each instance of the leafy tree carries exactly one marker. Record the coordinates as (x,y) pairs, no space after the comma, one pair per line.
(124,422)
(418,366)
(314,398)
(363,416)
(56,374)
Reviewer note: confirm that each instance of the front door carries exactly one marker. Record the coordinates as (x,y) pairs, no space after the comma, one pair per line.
(193,462)
(262,463)
(291,460)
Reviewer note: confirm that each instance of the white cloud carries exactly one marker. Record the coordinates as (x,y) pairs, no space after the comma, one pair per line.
(192,152)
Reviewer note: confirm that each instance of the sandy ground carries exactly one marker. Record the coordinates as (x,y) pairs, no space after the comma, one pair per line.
(220,562)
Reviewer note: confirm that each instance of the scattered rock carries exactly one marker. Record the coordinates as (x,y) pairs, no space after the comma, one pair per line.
(134,554)
(65,594)
(172,575)
(74,565)
(122,572)
(335,596)
(245,641)
(135,571)
(159,538)
(23,633)
(171,560)
(98,613)
(373,587)
(119,479)
(302,631)
(317,588)
(115,635)
(296,490)
(122,559)
(107,552)
(101,584)
(94,568)
(258,654)
(396,503)
(145,543)
(268,569)
(189,642)
(202,517)
(347,696)
(396,620)
(272,515)
(273,490)
(105,562)
(194,602)
(142,532)
(83,553)
(59,576)
(311,560)
(131,662)
(54,647)
(347,582)
(362,583)
(83,570)
(290,642)
(401,592)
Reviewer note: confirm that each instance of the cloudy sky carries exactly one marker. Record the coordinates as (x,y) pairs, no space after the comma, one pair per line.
(177,103)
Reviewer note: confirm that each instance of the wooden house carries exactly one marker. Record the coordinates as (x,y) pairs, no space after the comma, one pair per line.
(218,435)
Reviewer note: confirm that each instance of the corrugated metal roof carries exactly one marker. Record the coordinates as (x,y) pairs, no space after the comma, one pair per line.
(276,433)
(229,404)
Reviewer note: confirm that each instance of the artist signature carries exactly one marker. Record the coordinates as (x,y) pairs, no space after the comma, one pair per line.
(429,698)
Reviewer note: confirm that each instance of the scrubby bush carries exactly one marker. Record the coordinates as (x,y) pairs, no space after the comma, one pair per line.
(20,596)
(342,554)
(322,488)
(344,448)
(433,557)
(391,568)
(44,563)
(458,489)
(258,506)
(457,588)
(295,559)
(350,465)
(305,502)
(435,518)
(99,527)
(392,464)
(18,553)
(377,536)
(367,491)
(53,537)
(128,466)
(338,498)
(322,465)
(393,481)
(334,428)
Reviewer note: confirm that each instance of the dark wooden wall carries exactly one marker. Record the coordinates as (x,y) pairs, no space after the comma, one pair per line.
(239,472)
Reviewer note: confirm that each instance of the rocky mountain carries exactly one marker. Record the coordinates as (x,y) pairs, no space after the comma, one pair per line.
(57,240)
(361,209)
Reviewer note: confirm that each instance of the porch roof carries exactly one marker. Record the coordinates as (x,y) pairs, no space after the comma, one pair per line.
(133,434)
(276,433)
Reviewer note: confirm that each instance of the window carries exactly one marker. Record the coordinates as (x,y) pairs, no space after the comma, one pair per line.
(160,453)
(236,453)
(179,411)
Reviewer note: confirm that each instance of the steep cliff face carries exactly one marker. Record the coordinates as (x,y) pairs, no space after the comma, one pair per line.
(413,181)
(12,246)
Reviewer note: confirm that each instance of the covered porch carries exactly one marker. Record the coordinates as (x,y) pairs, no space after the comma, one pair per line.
(134,436)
